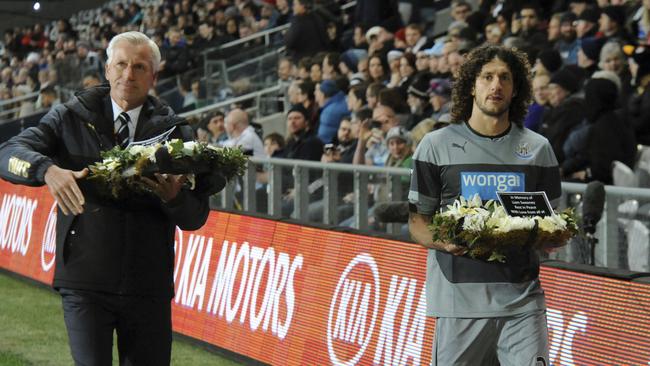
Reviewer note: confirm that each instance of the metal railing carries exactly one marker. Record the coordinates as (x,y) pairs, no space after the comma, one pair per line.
(610,250)
(258,97)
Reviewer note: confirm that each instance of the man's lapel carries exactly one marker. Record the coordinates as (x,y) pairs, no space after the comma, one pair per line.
(143,120)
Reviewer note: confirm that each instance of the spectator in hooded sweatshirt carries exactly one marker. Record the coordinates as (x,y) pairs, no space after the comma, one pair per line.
(333,108)
(589,54)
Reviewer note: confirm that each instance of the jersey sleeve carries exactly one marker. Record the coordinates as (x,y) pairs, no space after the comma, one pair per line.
(425,188)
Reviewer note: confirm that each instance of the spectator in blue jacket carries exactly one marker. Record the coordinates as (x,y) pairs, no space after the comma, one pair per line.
(333,108)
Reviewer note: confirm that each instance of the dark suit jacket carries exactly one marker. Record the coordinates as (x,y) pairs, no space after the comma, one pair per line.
(124,247)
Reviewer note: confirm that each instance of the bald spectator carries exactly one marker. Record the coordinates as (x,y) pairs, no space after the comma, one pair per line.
(242,134)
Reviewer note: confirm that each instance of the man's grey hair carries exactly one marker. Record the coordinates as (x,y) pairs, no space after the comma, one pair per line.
(135,38)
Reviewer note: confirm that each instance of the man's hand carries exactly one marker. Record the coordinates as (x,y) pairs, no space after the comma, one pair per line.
(62,184)
(166,186)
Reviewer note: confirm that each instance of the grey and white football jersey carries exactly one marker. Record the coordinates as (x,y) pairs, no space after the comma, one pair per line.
(455,161)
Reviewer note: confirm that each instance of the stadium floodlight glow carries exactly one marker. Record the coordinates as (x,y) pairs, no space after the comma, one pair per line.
(37,6)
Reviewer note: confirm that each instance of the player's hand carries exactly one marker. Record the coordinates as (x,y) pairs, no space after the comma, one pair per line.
(165,186)
(62,184)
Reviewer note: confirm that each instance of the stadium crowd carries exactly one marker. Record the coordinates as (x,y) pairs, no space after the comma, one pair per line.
(369,98)
(366,85)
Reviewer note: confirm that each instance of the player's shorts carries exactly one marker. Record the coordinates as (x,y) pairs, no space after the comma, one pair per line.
(519,340)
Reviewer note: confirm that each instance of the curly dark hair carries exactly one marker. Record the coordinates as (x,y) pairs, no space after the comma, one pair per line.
(462,98)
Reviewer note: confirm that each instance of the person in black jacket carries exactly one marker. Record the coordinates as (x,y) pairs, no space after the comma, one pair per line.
(302,144)
(606,136)
(567,110)
(306,35)
(114,259)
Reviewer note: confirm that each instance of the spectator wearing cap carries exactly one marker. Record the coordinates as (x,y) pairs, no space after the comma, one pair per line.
(306,35)
(333,108)
(639,103)
(301,144)
(548,62)
(589,54)
(540,101)
(566,112)
(587,23)
(440,97)
(379,40)
(417,99)
(613,59)
(568,44)
(393,57)
(400,155)
(400,39)
(612,24)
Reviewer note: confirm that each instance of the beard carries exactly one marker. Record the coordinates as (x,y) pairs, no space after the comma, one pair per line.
(568,38)
(492,112)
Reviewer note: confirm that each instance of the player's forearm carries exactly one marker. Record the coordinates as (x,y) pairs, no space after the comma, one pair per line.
(420,233)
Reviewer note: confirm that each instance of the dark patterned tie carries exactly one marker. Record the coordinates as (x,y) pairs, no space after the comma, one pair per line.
(122,128)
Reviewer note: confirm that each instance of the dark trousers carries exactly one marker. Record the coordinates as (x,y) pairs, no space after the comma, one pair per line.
(143,326)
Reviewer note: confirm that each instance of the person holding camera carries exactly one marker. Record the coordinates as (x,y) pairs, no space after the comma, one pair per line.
(372,148)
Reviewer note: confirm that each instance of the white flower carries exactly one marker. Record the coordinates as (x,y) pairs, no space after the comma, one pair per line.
(136,149)
(508,224)
(189,148)
(475,222)
(552,223)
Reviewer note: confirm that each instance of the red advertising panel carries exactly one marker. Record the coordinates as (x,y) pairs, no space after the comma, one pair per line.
(287,294)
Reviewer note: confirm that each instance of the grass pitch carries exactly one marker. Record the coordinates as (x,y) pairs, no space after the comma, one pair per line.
(32,331)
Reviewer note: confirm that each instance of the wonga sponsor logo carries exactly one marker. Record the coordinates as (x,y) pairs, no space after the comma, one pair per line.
(353,311)
(487,184)
(48,246)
